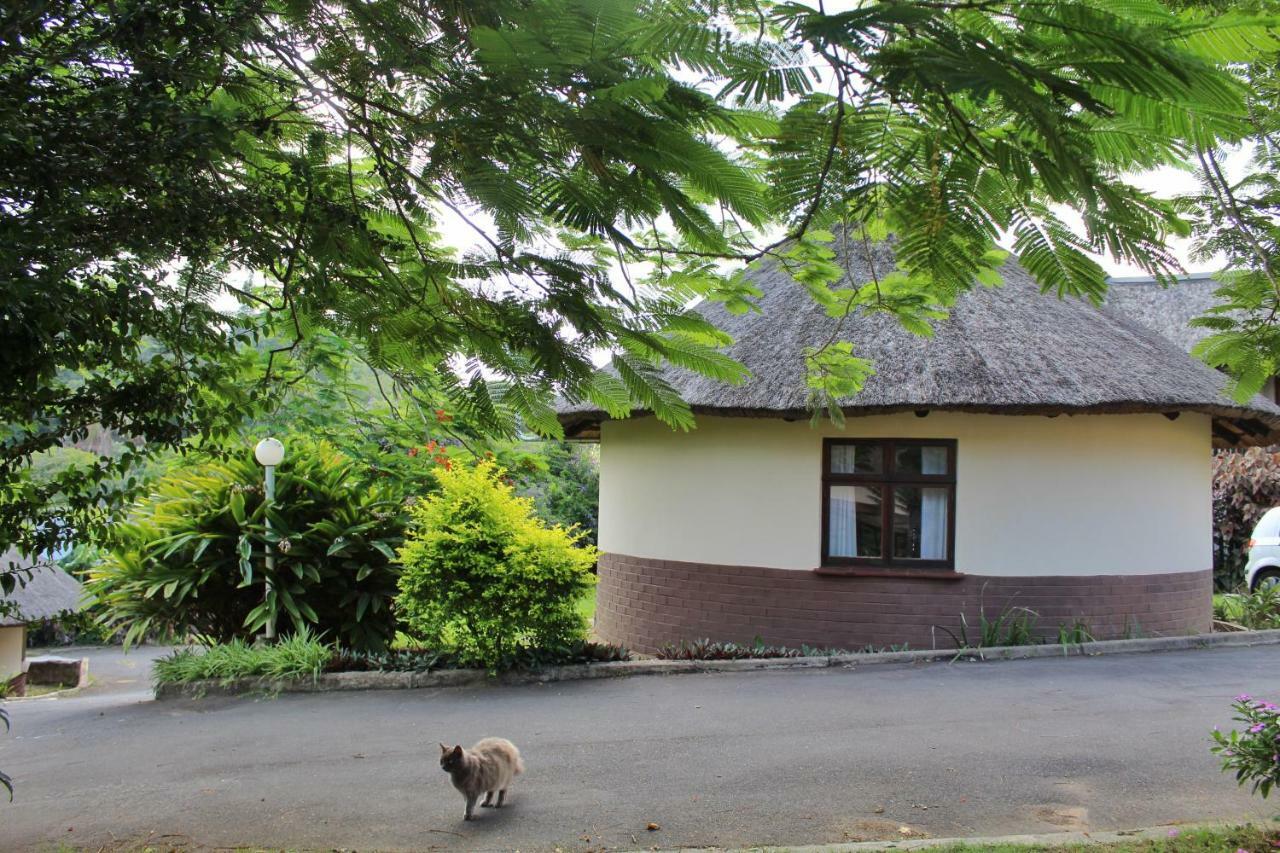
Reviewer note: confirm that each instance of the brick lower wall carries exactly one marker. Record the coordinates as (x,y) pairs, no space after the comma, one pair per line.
(644,603)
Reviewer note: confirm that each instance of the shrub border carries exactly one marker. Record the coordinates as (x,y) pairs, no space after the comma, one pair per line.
(374,680)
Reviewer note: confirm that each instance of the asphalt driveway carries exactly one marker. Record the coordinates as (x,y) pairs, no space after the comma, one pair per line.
(730,759)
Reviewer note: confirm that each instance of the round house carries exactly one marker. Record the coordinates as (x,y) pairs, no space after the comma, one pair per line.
(1039,459)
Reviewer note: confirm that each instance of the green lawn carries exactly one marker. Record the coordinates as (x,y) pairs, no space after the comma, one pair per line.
(587,605)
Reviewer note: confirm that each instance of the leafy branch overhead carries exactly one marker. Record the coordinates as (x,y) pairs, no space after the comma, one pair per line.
(1237,217)
(182,182)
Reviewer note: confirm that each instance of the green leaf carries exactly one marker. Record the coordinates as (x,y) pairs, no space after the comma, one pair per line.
(236,504)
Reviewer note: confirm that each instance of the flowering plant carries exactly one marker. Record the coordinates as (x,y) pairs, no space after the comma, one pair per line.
(1254,753)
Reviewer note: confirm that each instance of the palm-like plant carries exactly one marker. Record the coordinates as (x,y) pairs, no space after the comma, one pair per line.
(190,557)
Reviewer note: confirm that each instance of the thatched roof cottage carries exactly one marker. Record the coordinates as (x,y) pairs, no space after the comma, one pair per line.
(1036,453)
(49,592)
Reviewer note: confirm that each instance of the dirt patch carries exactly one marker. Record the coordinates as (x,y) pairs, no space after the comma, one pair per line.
(878,829)
(1062,816)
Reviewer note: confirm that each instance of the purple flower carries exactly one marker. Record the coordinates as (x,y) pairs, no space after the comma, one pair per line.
(1253,730)
(1244,697)
(1174,833)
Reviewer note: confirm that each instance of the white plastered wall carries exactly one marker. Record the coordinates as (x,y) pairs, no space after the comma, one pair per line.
(12,645)
(1070,495)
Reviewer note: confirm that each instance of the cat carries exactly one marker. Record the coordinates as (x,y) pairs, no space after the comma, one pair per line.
(487,767)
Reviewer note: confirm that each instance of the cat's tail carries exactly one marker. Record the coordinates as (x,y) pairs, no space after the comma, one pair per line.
(519,764)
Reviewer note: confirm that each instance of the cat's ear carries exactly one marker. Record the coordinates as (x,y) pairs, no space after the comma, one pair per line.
(457,750)
(443,748)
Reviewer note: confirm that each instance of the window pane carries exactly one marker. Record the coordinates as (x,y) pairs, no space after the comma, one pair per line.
(857,459)
(920,522)
(920,459)
(854,522)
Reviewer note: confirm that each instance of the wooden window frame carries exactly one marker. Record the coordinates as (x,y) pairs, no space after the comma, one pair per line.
(887,479)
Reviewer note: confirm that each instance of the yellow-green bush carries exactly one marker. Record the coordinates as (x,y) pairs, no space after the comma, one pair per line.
(482,573)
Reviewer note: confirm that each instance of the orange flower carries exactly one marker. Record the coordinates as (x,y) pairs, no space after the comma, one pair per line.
(443,417)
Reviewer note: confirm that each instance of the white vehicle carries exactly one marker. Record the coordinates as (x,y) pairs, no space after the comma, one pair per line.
(1263,569)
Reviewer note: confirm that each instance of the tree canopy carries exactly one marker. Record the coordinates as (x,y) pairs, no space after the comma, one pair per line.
(169,170)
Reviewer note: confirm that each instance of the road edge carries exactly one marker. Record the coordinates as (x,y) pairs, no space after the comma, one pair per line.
(1050,839)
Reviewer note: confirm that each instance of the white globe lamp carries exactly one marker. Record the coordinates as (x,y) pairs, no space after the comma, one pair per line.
(269,453)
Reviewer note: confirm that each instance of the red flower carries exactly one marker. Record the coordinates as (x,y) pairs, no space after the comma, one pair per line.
(443,417)
(413,451)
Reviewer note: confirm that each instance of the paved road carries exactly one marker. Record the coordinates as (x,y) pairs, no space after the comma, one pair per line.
(110,669)
(780,757)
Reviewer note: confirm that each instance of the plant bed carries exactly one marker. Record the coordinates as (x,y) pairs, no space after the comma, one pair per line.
(372,679)
(303,663)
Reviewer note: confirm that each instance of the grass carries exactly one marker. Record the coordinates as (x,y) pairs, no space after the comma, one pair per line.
(1201,839)
(298,656)
(587,606)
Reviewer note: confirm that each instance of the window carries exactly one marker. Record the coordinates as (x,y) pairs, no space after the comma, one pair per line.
(889,503)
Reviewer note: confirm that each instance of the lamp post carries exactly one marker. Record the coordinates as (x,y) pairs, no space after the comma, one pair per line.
(269,453)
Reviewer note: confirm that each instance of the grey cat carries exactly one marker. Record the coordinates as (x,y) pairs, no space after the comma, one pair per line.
(487,767)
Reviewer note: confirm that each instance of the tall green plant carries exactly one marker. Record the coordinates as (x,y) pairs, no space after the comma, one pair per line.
(482,571)
(191,557)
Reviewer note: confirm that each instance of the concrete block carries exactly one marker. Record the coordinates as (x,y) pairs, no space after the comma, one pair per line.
(62,672)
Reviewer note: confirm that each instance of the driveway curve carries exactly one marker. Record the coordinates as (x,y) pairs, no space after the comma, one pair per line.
(788,757)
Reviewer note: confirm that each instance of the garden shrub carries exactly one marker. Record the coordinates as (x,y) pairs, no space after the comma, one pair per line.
(482,574)
(1246,483)
(1257,611)
(191,557)
(1254,753)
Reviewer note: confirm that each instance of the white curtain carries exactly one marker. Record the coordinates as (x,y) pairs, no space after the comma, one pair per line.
(933,507)
(933,460)
(843,458)
(842,540)
(933,524)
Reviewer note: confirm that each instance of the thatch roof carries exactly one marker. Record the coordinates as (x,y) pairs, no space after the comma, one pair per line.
(1167,310)
(49,592)
(1007,350)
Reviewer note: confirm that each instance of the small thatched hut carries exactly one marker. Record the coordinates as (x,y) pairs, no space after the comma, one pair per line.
(1036,453)
(49,592)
